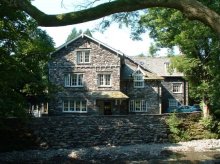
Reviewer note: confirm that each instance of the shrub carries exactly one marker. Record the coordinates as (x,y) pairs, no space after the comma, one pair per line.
(177,132)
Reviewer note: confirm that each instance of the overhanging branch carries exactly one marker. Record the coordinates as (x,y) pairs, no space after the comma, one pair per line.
(191,8)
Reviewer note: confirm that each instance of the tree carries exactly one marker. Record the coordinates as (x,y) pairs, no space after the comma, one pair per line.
(24,52)
(202,10)
(74,33)
(153,50)
(200,46)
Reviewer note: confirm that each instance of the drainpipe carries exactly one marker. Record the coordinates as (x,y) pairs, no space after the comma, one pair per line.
(159,97)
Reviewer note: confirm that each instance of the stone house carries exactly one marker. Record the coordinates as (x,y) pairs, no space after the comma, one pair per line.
(95,79)
(174,86)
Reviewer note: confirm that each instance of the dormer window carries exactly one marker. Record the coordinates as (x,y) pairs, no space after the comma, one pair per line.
(83,56)
(138,79)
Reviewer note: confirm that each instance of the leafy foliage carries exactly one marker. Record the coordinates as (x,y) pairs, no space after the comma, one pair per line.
(174,122)
(153,50)
(24,53)
(199,47)
(190,127)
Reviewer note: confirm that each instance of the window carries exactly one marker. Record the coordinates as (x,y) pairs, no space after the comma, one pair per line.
(76,106)
(138,79)
(173,103)
(177,87)
(83,56)
(138,106)
(104,79)
(73,80)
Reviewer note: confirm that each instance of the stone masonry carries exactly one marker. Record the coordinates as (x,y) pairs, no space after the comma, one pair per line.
(73,131)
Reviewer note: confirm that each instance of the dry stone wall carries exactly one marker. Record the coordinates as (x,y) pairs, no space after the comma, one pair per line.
(80,131)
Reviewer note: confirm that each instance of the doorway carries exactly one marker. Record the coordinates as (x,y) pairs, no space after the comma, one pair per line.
(107,108)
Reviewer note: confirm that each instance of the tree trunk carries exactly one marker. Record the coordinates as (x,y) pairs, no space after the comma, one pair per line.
(205,108)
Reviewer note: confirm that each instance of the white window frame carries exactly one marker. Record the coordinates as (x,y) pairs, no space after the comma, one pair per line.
(138,105)
(173,103)
(177,87)
(104,80)
(138,79)
(70,106)
(69,78)
(82,56)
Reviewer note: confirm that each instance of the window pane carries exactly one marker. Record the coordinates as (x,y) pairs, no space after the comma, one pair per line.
(80,79)
(137,105)
(101,80)
(74,79)
(83,105)
(173,103)
(139,84)
(71,105)
(144,106)
(138,79)
(65,105)
(86,56)
(77,105)
(79,56)
(67,80)
(177,87)
(107,79)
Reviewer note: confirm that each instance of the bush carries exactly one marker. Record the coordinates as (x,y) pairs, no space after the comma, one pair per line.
(174,123)
(211,124)
(208,122)
(177,132)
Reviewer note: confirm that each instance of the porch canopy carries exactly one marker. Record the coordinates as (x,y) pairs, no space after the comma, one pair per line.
(108,95)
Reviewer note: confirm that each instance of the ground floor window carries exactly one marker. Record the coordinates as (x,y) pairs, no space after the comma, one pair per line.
(77,106)
(173,103)
(137,106)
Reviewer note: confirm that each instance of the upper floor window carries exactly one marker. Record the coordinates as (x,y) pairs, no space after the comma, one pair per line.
(137,106)
(138,79)
(104,79)
(83,56)
(177,87)
(73,80)
(76,106)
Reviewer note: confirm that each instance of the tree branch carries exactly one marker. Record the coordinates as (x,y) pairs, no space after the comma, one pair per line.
(193,9)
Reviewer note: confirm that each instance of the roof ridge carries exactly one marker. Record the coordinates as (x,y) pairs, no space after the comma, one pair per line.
(92,38)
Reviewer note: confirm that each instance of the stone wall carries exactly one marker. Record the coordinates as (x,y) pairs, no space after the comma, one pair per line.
(167,92)
(79,131)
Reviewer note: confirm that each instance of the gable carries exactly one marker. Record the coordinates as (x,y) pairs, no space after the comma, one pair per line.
(130,67)
(83,41)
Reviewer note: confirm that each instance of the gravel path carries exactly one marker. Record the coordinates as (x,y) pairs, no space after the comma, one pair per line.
(109,154)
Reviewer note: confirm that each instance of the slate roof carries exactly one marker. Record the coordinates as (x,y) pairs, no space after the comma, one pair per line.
(156,65)
(128,70)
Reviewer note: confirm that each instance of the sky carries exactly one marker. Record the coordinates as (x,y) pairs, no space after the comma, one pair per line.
(115,37)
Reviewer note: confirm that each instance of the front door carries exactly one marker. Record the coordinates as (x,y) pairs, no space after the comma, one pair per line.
(107,108)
